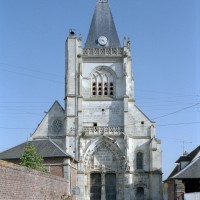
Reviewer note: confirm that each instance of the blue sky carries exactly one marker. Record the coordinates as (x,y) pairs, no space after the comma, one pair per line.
(165,41)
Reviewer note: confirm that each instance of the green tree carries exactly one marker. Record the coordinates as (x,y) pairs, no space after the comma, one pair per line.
(31,158)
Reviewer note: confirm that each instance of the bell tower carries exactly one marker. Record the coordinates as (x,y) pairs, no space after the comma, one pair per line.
(114,143)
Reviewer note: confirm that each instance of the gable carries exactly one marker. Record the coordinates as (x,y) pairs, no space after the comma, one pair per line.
(139,124)
(52,123)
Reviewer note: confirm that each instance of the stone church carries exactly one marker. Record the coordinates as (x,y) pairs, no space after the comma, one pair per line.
(112,141)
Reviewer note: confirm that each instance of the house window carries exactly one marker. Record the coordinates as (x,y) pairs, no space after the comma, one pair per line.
(140,193)
(139,160)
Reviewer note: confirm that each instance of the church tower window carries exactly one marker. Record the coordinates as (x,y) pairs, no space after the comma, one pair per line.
(105,81)
(100,89)
(102,83)
(105,89)
(111,88)
(139,160)
(94,85)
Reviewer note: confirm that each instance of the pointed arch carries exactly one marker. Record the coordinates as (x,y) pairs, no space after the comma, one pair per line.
(104,145)
(139,193)
(139,160)
(105,81)
(105,77)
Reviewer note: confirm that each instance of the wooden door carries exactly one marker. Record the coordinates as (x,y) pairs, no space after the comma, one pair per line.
(110,183)
(95,186)
(140,193)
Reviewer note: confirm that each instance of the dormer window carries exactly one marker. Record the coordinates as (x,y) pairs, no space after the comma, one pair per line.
(183,161)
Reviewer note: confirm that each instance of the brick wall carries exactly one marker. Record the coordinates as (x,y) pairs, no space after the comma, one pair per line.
(54,165)
(21,183)
(73,174)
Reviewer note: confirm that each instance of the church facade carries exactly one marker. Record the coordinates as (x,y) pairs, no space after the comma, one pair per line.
(113,141)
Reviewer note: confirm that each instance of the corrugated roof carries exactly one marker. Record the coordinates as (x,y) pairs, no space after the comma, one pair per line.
(46,148)
(102,25)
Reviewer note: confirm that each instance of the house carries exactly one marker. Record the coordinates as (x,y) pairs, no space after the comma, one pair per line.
(185,178)
(56,161)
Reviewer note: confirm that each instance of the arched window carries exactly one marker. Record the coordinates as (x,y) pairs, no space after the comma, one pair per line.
(139,160)
(102,83)
(140,193)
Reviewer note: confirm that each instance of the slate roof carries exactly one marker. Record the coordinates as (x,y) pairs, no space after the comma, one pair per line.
(175,171)
(102,25)
(191,171)
(46,148)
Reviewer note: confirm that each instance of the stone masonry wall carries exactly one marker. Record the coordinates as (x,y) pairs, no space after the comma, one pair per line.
(21,183)
(104,113)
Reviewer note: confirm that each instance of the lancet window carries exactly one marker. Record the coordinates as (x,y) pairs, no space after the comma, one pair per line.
(102,84)
(139,160)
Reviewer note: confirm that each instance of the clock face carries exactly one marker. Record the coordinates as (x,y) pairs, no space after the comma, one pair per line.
(57,125)
(102,40)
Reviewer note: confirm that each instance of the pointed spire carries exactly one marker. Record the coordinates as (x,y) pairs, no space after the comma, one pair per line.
(102,31)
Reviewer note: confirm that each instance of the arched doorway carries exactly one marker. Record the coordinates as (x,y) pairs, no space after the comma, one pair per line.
(104,170)
(140,193)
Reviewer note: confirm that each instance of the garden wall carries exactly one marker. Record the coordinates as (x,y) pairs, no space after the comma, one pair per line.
(21,183)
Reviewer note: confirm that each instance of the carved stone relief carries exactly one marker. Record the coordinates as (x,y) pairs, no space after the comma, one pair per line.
(104,152)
